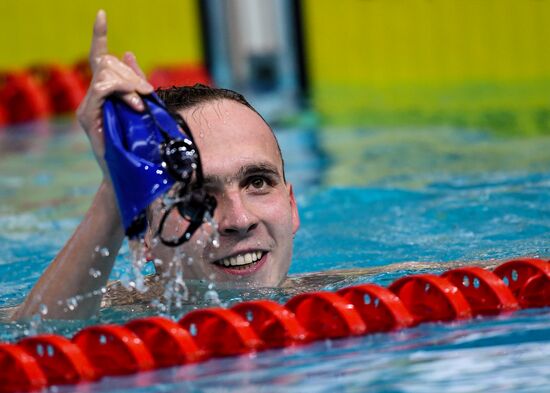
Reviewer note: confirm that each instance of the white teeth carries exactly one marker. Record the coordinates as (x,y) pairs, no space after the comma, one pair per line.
(241,259)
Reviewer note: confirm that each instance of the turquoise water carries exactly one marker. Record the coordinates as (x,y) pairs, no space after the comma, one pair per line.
(367,198)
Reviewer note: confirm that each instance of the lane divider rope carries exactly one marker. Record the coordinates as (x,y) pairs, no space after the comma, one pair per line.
(149,343)
(47,90)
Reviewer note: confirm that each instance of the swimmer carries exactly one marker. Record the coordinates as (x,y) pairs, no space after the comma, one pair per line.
(256,210)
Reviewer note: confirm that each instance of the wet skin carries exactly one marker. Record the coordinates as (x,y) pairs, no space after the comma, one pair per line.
(256,212)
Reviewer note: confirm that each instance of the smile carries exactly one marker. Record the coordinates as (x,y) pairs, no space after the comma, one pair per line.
(240,260)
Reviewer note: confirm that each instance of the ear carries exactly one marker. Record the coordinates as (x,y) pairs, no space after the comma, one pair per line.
(294,210)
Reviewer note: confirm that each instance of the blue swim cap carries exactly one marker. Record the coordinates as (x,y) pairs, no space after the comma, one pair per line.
(133,152)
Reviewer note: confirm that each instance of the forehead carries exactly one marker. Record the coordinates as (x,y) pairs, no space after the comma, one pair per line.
(230,135)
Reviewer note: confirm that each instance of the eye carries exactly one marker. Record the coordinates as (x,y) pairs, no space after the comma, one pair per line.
(257,182)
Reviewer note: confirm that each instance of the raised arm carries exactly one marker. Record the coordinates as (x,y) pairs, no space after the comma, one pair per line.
(70,287)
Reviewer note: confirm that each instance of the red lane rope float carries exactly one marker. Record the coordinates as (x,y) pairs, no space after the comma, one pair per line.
(23,98)
(83,71)
(221,332)
(275,325)
(528,279)
(485,292)
(326,315)
(168,342)
(3,114)
(430,298)
(114,350)
(19,371)
(379,307)
(255,325)
(63,86)
(61,360)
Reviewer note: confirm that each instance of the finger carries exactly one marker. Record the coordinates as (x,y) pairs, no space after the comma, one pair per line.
(99,39)
(112,85)
(130,59)
(134,101)
(127,72)
(109,82)
(121,70)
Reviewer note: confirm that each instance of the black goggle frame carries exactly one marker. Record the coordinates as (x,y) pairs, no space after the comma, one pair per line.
(181,159)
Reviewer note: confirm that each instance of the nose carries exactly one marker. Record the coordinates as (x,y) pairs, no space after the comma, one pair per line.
(233,215)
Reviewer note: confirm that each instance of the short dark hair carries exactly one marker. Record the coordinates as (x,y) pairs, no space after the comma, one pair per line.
(177,98)
(182,97)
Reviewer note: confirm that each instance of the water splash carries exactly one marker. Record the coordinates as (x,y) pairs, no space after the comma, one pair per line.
(134,279)
(176,293)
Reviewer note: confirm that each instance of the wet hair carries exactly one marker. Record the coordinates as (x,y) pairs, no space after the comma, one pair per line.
(177,98)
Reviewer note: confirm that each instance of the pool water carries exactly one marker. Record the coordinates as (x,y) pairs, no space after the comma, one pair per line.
(367,198)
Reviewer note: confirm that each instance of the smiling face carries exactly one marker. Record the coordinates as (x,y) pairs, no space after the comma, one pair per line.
(256,211)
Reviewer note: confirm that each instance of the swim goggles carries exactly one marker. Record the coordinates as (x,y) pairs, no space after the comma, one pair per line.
(150,154)
(181,159)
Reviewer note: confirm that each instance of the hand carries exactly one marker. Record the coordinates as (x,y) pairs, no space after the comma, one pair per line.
(110,76)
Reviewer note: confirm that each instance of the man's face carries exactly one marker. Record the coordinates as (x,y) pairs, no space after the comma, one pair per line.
(256,211)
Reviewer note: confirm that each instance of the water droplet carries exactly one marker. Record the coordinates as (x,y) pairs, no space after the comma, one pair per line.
(103,251)
(72,303)
(366,299)
(43,309)
(95,273)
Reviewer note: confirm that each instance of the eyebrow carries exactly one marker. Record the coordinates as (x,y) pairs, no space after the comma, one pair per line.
(264,168)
